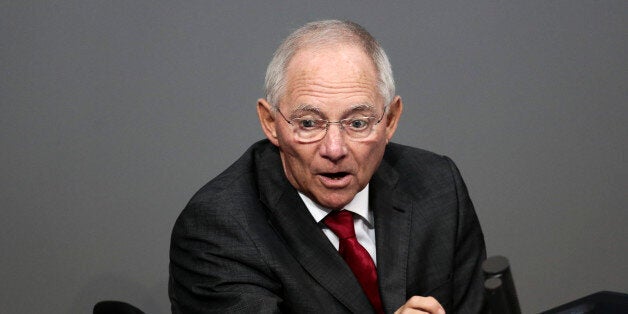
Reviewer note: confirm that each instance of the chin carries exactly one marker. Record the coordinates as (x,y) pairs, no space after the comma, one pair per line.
(335,206)
(335,202)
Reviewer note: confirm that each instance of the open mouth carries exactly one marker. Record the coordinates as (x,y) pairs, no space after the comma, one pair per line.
(335,175)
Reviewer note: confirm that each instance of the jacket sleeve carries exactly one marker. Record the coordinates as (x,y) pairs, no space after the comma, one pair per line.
(470,252)
(215,266)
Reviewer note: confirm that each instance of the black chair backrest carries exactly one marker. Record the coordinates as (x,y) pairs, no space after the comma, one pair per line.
(115,307)
(607,302)
(499,287)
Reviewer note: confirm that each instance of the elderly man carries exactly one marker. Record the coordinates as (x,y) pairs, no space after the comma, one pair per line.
(327,215)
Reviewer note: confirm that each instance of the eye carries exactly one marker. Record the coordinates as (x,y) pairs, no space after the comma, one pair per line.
(307,123)
(358,124)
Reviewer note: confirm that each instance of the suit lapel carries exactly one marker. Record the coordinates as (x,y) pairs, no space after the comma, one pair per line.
(391,209)
(309,245)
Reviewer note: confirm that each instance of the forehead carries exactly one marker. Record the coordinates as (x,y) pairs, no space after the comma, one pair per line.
(331,75)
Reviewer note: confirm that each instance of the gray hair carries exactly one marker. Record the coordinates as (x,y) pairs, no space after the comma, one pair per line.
(322,33)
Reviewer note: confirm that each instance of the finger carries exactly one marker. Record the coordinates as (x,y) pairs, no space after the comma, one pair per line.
(427,304)
(405,310)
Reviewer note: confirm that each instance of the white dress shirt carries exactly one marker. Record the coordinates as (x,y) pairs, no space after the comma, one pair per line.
(362,220)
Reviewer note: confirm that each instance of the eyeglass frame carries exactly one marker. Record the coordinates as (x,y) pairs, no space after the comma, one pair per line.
(327,123)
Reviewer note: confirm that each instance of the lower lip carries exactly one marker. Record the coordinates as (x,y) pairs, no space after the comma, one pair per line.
(332,183)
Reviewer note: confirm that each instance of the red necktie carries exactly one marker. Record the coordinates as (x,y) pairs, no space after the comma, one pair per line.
(356,256)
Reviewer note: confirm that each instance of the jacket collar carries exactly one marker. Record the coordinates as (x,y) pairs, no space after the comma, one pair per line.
(392,212)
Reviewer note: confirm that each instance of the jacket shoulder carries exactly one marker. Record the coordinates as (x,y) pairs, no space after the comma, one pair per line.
(237,181)
(403,157)
(421,170)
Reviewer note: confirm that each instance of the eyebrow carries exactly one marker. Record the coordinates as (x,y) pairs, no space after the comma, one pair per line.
(361,107)
(307,108)
(313,109)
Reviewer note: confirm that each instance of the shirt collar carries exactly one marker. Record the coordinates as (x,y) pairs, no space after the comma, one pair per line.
(359,205)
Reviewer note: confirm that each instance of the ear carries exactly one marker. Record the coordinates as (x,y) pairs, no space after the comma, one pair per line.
(267,120)
(394,113)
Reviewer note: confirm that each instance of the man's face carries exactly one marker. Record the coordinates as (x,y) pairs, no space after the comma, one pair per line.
(334,83)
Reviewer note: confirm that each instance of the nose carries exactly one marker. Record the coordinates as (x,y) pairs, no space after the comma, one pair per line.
(333,146)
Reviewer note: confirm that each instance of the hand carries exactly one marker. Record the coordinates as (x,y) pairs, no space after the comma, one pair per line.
(417,304)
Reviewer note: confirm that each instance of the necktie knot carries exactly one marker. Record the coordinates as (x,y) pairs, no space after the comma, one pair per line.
(341,223)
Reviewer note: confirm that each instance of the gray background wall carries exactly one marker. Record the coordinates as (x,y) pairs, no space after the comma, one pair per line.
(114,112)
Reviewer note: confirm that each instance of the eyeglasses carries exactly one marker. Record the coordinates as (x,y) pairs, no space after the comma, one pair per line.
(307,130)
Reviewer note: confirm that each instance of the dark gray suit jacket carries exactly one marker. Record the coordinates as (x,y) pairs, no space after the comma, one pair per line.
(246,243)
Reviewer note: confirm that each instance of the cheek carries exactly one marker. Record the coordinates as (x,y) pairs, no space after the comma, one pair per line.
(298,160)
(296,165)
(371,155)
